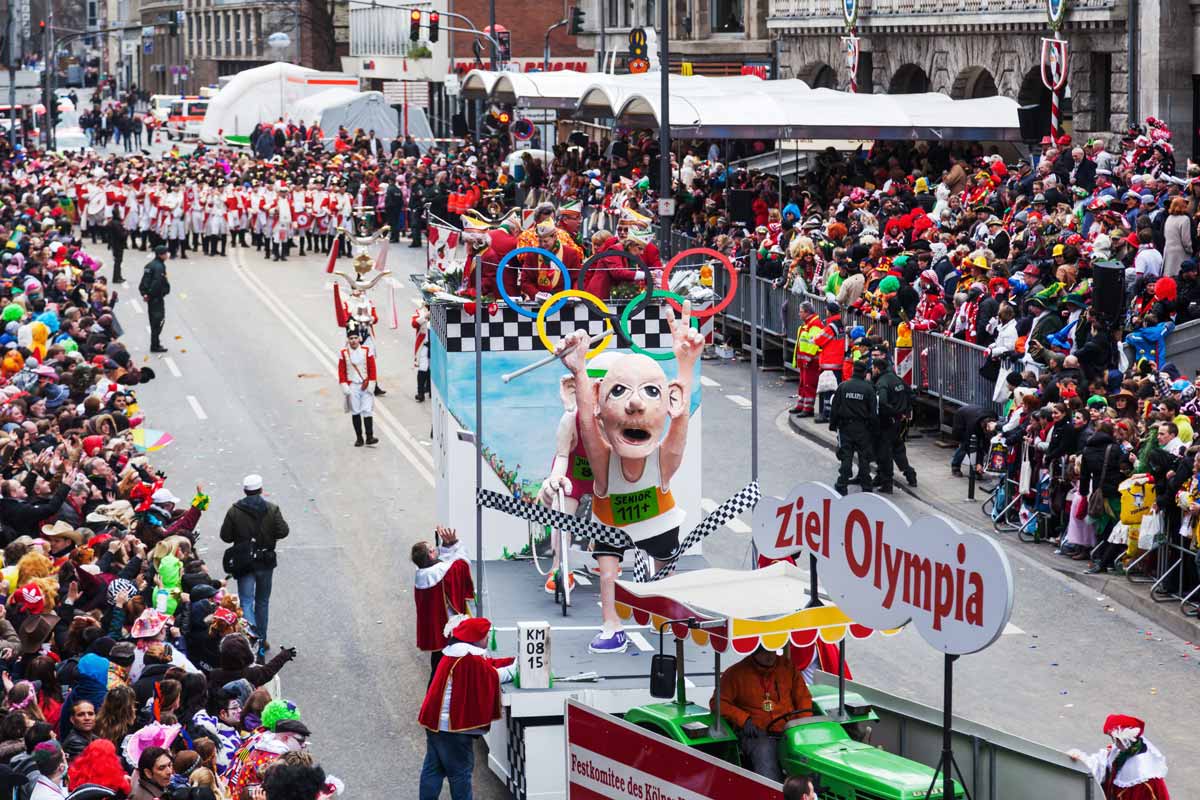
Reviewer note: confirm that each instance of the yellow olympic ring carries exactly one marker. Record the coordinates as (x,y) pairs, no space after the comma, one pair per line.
(582,295)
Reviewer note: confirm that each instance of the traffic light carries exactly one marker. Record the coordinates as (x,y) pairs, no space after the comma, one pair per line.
(172,27)
(577,15)
(434,18)
(414,25)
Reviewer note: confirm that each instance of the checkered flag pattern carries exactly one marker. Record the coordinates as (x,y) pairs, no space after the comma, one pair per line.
(506,331)
(744,500)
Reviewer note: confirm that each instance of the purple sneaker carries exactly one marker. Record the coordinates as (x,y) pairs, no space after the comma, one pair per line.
(615,642)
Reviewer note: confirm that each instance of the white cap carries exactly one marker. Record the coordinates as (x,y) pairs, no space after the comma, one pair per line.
(252,483)
(163,496)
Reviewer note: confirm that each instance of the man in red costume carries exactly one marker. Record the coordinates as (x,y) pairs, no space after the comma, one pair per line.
(462,703)
(1131,768)
(442,587)
(494,244)
(541,277)
(833,352)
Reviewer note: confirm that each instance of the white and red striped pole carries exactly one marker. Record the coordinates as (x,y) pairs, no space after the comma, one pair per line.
(1054,115)
(851,44)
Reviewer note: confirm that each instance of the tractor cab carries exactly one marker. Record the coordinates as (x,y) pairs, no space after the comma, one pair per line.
(833,741)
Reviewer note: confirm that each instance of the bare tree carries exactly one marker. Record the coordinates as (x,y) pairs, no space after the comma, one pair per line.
(311,20)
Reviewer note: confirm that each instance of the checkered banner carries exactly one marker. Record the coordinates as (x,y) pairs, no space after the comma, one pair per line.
(744,500)
(505,331)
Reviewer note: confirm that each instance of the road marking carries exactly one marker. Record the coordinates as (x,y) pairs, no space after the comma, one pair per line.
(171,365)
(708,505)
(1011,630)
(317,346)
(737,526)
(739,401)
(581,580)
(195,404)
(137,307)
(640,641)
(709,382)
(393,431)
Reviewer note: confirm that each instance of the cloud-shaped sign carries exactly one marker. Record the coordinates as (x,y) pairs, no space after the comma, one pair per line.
(884,570)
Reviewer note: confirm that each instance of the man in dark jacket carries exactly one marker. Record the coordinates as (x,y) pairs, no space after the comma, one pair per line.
(854,416)
(154,289)
(895,406)
(252,526)
(971,421)
(24,516)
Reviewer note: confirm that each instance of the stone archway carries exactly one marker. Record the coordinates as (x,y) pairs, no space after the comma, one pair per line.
(909,79)
(1034,93)
(818,75)
(974,82)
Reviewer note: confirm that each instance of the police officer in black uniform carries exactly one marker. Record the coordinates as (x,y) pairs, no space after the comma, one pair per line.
(854,415)
(895,406)
(154,289)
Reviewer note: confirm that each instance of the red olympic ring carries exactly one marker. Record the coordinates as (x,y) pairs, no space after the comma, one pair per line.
(729,268)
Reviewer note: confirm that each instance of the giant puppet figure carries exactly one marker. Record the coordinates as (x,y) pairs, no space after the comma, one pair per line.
(622,419)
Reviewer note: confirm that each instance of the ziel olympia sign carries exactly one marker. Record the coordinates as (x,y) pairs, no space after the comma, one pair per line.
(885,571)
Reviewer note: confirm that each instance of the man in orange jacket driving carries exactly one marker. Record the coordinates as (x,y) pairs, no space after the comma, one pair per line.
(758,695)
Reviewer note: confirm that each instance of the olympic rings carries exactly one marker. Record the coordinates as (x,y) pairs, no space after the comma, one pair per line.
(561,297)
(729,268)
(635,263)
(508,301)
(623,325)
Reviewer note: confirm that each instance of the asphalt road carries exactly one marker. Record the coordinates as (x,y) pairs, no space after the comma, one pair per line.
(249,387)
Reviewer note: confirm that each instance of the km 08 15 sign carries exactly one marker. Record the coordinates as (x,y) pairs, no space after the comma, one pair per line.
(884,570)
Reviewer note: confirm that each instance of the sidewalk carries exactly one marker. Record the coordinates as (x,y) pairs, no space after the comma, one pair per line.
(948,494)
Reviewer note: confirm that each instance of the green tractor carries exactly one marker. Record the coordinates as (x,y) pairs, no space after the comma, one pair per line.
(826,743)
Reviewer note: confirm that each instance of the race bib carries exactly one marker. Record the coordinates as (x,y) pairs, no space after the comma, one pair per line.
(581,470)
(635,506)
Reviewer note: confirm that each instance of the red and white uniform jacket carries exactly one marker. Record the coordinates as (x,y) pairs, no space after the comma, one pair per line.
(356,366)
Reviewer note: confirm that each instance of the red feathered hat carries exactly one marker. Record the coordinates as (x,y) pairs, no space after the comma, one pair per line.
(472,629)
(1115,721)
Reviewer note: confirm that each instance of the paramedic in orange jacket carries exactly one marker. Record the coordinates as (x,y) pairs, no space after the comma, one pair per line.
(761,688)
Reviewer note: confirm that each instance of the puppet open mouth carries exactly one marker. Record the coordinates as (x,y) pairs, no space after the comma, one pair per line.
(635,435)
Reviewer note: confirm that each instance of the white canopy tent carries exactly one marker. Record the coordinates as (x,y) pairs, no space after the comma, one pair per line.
(265,94)
(342,107)
(743,107)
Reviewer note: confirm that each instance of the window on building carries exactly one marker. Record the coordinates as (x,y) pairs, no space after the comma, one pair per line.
(651,13)
(727,16)
(217,33)
(1101,91)
(208,48)
(237,33)
(866,72)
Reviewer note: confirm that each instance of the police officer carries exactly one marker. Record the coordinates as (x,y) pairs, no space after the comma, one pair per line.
(895,405)
(154,289)
(854,415)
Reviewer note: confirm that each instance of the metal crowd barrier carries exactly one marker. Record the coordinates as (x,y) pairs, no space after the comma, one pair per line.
(944,368)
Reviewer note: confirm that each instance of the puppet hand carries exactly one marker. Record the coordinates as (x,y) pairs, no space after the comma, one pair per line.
(551,487)
(573,348)
(688,343)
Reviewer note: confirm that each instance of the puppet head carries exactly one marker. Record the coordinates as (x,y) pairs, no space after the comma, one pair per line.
(634,399)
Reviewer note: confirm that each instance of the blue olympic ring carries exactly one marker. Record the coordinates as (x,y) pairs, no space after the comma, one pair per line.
(508,301)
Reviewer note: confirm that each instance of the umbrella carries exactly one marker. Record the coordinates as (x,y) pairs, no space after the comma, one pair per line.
(148,440)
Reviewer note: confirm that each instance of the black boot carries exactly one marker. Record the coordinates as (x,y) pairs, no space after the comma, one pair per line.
(224,239)
(172,247)
(357,421)
(254,239)
(287,247)
(302,239)
(276,250)
(196,241)
(207,243)
(369,424)
(183,247)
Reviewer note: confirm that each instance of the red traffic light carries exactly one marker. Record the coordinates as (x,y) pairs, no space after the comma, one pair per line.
(42,24)
(434,18)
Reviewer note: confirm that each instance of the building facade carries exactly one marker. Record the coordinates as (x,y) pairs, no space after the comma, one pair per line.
(225,37)
(978,48)
(163,58)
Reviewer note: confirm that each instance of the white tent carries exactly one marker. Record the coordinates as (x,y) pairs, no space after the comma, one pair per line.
(264,94)
(747,107)
(342,107)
